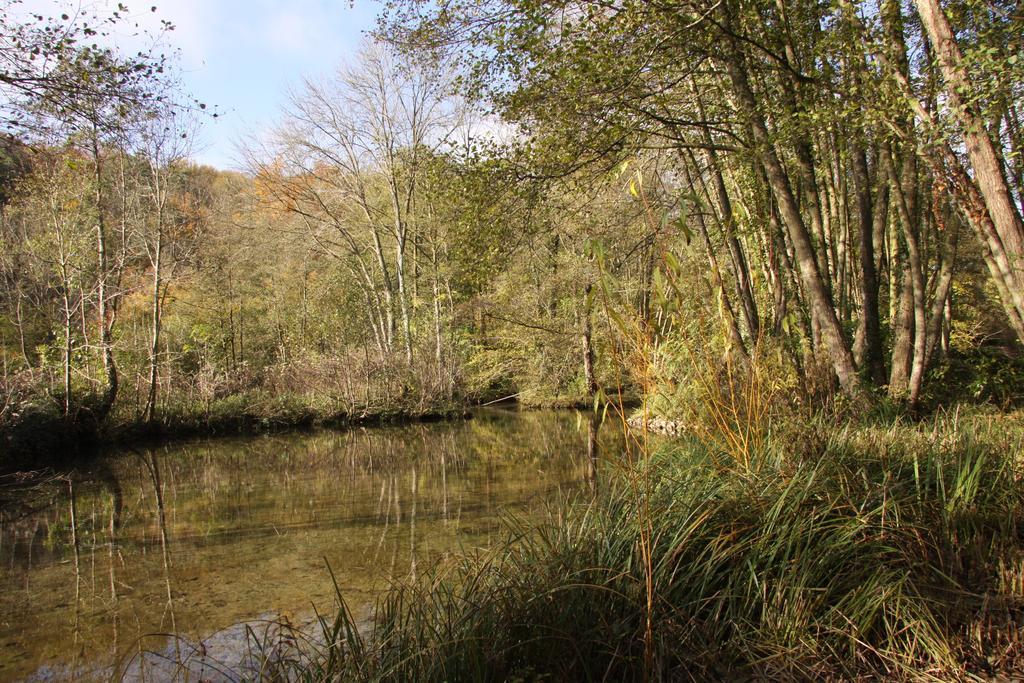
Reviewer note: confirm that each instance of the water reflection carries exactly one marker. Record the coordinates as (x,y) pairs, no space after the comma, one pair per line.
(192,538)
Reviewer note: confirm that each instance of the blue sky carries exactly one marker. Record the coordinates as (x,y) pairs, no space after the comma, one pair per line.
(241,56)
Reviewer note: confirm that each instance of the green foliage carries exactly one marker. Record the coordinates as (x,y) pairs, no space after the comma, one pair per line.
(981,375)
(13,166)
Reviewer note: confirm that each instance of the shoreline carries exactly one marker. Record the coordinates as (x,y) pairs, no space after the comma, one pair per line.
(46,442)
(62,445)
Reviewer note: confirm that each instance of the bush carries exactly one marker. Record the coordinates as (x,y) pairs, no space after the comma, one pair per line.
(981,375)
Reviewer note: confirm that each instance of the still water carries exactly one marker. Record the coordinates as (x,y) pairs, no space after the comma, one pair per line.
(193,538)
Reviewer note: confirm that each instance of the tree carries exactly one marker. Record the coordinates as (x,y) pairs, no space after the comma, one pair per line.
(54,209)
(800,126)
(996,217)
(164,144)
(348,163)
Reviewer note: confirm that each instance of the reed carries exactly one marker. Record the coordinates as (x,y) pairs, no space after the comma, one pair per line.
(887,550)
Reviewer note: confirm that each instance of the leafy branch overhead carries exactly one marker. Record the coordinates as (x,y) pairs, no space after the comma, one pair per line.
(61,69)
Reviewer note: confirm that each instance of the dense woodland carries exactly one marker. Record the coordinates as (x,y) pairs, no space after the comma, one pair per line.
(513,199)
(849,172)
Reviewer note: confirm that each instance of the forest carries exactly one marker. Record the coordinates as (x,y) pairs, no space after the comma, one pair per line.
(788,235)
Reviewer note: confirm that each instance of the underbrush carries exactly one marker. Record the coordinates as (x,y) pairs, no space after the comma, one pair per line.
(982,374)
(873,551)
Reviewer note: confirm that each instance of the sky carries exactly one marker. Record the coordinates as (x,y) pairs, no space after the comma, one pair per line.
(240,57)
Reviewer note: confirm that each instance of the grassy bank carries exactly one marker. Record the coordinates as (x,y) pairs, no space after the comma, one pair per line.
(39,436)
(888,550)
(42,437)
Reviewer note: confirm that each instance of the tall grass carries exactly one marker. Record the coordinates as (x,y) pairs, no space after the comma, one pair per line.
(868,552)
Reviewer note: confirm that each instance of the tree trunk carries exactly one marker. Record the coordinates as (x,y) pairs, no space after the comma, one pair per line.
(154,351)
(870,333)
(915,274)
(106,346)
(940,300)
(389,304)
(403,302)
(67,352)
(817,293)
(903,338)
(438,330)
(586,341)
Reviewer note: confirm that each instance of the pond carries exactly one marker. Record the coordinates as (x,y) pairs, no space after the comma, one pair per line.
(192,538)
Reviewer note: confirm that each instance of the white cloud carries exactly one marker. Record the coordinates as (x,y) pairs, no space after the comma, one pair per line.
(302,28)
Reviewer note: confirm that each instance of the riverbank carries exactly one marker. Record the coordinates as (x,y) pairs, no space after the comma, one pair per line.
(884,550)
(44,439)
